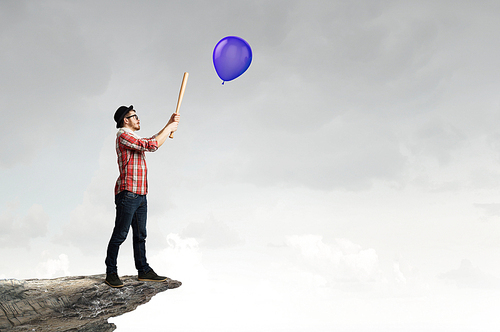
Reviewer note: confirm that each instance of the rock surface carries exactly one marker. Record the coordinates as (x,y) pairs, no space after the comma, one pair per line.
(81,303)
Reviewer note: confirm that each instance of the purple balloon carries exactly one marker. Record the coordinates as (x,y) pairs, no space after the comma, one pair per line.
(232,57)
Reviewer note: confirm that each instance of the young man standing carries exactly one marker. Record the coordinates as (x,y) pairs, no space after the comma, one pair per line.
(130,192)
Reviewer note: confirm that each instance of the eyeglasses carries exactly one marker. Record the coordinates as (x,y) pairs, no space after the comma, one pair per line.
(136,117)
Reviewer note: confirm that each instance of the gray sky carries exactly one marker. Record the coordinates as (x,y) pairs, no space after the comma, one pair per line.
(356,159)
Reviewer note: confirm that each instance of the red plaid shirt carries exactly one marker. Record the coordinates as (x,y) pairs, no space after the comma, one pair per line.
(130,149)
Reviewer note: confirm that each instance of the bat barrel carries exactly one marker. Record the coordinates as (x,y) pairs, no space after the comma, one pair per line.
(181,95)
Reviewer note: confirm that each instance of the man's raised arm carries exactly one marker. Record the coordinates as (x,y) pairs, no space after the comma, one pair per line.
(171,127)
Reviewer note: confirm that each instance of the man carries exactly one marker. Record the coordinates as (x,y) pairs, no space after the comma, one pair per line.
(130,192)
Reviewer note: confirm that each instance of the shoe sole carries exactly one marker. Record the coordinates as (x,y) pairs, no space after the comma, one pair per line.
(114,286)
(157,280)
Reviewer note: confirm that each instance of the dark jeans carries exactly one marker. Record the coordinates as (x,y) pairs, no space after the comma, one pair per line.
(131,210)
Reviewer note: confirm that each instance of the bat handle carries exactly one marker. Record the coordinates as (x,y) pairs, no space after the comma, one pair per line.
(181,95)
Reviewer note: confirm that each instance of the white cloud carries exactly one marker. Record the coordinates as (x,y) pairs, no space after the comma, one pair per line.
(212,234)
(489,210)
(469,276)
(181,260)
(53,267)
(17,230)
(398,275)
(91,222)
(90,226)
(51,66)
(342,261)
(438,139)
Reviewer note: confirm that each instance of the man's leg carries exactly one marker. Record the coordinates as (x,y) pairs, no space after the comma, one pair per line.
(146,273)
(139,233)
(126,205)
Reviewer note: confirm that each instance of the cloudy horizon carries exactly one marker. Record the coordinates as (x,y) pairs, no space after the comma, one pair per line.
(348,180)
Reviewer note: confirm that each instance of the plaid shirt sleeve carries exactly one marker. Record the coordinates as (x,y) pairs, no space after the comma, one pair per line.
(139,144)
(132,162)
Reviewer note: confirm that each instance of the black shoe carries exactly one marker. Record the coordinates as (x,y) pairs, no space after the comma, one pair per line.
(113,280)
(150,276)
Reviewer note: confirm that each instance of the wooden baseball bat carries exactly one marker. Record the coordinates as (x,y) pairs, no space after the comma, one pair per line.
(181,95)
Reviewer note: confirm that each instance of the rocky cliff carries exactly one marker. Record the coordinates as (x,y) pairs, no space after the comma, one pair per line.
(71,303)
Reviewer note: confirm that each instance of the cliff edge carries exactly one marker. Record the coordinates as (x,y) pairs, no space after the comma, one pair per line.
(82,303)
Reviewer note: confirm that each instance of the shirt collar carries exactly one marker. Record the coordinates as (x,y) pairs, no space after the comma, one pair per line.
(127,130)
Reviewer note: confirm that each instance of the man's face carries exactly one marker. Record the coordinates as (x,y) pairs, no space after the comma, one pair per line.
(132,121)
